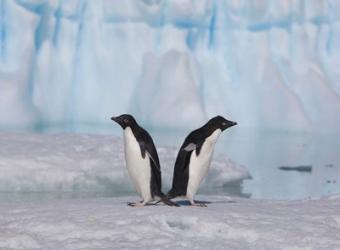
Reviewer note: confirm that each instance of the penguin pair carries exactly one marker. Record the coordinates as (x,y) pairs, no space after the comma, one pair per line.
(192,162)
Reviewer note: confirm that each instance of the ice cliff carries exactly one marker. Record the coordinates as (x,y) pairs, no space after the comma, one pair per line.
(266,64)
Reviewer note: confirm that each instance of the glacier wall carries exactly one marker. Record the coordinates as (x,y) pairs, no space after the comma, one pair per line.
(266,64)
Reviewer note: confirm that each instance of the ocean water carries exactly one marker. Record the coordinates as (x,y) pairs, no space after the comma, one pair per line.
(262,153)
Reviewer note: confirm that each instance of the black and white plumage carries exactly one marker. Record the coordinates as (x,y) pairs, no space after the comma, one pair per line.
(194,158)
(141,161)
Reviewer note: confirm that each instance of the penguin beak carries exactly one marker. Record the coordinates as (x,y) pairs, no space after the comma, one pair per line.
(228,125)
(119,120)
(115,119)
(231,124)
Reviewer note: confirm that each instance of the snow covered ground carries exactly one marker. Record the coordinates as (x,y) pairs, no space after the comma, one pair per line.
(77,164)
(108,223)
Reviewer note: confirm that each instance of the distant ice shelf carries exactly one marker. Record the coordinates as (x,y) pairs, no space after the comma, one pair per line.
(265,64)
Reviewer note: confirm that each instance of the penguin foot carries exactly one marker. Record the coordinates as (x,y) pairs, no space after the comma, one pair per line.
(168,202)
(136,204)
(193,204)
(156,203)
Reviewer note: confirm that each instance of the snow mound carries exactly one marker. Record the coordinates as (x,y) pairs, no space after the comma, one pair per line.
(83,163)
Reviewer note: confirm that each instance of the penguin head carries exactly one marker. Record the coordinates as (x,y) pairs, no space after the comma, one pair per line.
(219,122)
(125,121)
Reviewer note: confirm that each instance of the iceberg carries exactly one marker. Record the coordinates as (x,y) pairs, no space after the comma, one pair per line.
(266,64)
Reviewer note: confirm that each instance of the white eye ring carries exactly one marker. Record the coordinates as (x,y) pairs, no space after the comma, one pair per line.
(126,120)
(223,123)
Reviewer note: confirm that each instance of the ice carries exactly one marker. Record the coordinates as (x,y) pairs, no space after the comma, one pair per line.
(86,164)
(181,100)
(70,163)
(266,64)
(108,223)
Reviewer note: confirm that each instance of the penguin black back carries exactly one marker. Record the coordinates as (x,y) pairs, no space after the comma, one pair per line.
(147,147)
(193,142)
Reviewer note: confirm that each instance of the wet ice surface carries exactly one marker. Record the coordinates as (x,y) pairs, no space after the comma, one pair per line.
(227,223)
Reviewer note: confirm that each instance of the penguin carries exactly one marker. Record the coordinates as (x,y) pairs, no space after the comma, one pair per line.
(194,158)
(141,161)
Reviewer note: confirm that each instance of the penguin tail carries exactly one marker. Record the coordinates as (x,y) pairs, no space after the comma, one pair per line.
(171,194)
(166,200)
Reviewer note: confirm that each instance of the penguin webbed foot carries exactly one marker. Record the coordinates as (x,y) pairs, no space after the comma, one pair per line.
(136,204)
(197,204)
(168,202)
(142,204)
(165,200)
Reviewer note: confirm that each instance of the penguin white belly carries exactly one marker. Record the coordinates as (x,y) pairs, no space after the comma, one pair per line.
(138,168)
(199,165)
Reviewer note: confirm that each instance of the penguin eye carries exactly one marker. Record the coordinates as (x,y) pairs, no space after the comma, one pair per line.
(126,120)
(224,124)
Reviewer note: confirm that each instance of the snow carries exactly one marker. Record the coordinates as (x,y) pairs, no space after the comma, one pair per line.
(172,63)
(86,163)
(58,165)
(108,223)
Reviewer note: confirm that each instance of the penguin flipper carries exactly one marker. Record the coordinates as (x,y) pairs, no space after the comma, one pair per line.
(181,170)
(193,146)
(153,160)
(150,150)
(180,175)
(190,147)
